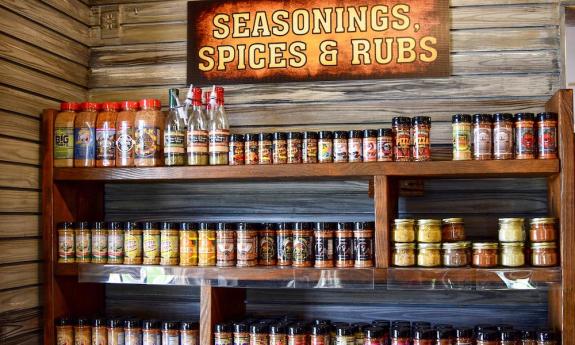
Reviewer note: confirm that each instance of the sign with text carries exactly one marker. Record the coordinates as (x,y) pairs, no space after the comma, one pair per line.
(245,41)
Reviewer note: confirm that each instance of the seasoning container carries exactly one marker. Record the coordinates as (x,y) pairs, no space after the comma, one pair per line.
(85,135)
(106,135)
(528,337)
(171,333)
(99,243)
(319,335)
(429,230)
(482,137)
(485,255)
(302,245)
(265,148)
(544,254)
(188,244)
(223,334)
(151,334)
(241,334)
(175,132)
(132,244)
(64,331)
(355,146)
(403,255)
(82,332)
(363,244)
(340,141)
(546,337)
(309,148)
(132,332)
(297,335)
(236,152)
(464,336)
(151,243)
(267,246)
(374,335)
(325,147)
(344,255)
(344,335)
(401,336)
(423,336)
(197,131)
(83,241)
(452,229)
(461,125)
(543,230)
(259,334)
(421,143)
(511,230)
(323,245)
(524,136)
(358,328)
(369,145)
(125,134)
(444,336)
(503,136)
(206,245)
(189,333)
(510,337)
(512,254)
(402,139)
(279,148)
(547,136)
(225,245)
(294,148)
(149,123)
(169,244)
(403,230)
(99,332)
(278,334)
(247,245)
(285,244)
(429,255)
(115,243)
(385,145)
(487,337)
(66,246)
(456,254)
(251,149)
(64,135)
(115,332)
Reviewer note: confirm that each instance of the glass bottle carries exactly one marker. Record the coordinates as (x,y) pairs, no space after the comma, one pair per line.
(174,133)
(197,136)
(218,129)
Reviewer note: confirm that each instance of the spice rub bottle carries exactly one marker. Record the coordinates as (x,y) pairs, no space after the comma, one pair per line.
(265,149)
(547,136)
(302,245)
(325,147)
(251,148)
(236,154)
(355,146)
(503,136)
(525,136)
(149,123)
(363,244)
(323,245)
(99,243)
(294,148)
(106,135)
(279,150)
(64,135)
(225,245)
(125,134)
(421,126)
(174,133)
(64,331)
(132,244)
(482,136)
(340,154)
(344,245)
(206,245)
(385,146)
(370,145)
(461,125)
(402,135)
(285,244)
(267,246)
(247,245)
(85,135)
(188,244)
(309,149)
(66,246)
(151,243)
(169,244)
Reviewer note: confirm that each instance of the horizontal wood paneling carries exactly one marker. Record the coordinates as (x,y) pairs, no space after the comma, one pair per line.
(17,126)
(20,151)
(74,8)
(33,338)
(21,326)
(20,275)
(19,176)
(12,251)
(19,201)
(24,103)
(18,299)
(19,226)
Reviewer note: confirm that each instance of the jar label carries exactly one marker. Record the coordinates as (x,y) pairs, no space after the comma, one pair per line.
(384,149)
(323,249)
(225,248)
(294,151)
(482,140)
(524,140)
(64,143)
(278,339)
(251,152)
(503,143)
(125,141)
(369,149)
(169,246)
(132,338)
(236,154)
(340,150)
(402,144)
(132,246)
(198,142)
(325,148)
(188,248)
(345,340)
(105,139)
(363,248)
(189,338)
(344,248)
(206,248)
(66,247)
(240,339)
(115,337)
(279,151)
(171,339)
(99,337)
(151,338)
(82,337)
(219,141)
(147,140)
(247,245)
(115,246)
(421,143)
(65,337)
(222,340)
(83,245)
(151,247)
(355,149)
(84,143)
(265,154)
(302,249)
(99,246)
(461,138)
(285,249)
(267,248)
(309,151)
(174,142)
(548,140)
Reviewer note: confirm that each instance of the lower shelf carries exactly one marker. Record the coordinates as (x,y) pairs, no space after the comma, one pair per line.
(314,278)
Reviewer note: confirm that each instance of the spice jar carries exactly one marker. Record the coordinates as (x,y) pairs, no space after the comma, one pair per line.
(421,128)
(485,255)
(132,332)
(374,335)
(188,244)
(510,337)
(106,135)
(456,254)
(132,244)
(402,138)
(511,230)
(546,337)
(115,243)
(189,333)
(297,335)
(429,230)
(363,244)
(66,246)
(355,146)
(99,243)
(323,245)
(82,332)
(524,136)
(385,146)
(294,148)
(278,334)
(151,334)
(423,336)
(547,136)
(543,230)
(170,333)
(125,134)
(225,245)
(241,334)
(403,255)
(64,331)
(370,145)
(452,229)
(285,244)
(223,334)
(429,255)
(251,149)
(265,148)
(64,135)
(528,337)
(267,246)
(340,154)
(464,336)
(302,245)
(344,245)
(151,243)
(259,334)
(344,335)
(403,230)
(325,147)
(309,149)
(85,135)
(149,123)
(444,336)
(99,332)
(83,242)
(247,245)
(115,332)
(206,245)
(461,125)
(169,244)
(482,137)
(512,254)
(544,254)
(503,136)
(319,335)
(358,328)
(236,152)
(487,337)
(401,336)
(279,148)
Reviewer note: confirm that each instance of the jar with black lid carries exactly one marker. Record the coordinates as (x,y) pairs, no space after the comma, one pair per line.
(363,244)
(461,126)
(319,334)
(115,331)
(294,148)
(487,337)
(325,147)
(401,323)
(151,334)
(502,136)
(206,245)
(150,243)
(133,242)
(99,243)
(323,244)
(278,334)
(223,334)
(236,153)
(402,138)
(421,142)
(509,337)
(100,332)
(241,333)
(309,149)
(82,332)
(484,327)
(83,242)
(297,334)
(133,332)
(464,336)
(529,337)
(333,329)
(358,328)
(374,335)
(420,324)
(267,245)
(259,334)
(401,335)
(444,336)
(225,245)
(344,335)
(302,245)
(284,243)
(65,331)
(546,337)
(169,244)
(66,246)
(524,136)
(355,146)
(247,245)
(424,336)
(265,148)
(251,149)
(189,333)
(279,148)
(344,245)
(385,144)
(340,154)
(547,136)
(482,137)
(370,145)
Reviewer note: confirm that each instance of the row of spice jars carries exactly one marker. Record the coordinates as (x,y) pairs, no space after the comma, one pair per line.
(428,230)
(504,136)
(299,244)
(101,331)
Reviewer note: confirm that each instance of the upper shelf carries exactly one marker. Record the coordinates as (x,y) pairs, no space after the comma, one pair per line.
(443,169)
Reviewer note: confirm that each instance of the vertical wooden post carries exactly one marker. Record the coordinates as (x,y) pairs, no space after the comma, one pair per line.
(385,196)
(217,305)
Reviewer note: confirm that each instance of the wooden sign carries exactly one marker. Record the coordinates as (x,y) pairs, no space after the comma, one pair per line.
(235,41)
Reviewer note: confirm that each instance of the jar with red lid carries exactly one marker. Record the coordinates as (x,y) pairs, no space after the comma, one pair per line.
(503,136)
(370,145)
(355,146)
(547,136)
(543,230)
(125,134)
(420,139)
(525,136)
(106,135)
(385,145)
(64,135)
(85,135)
(149,123)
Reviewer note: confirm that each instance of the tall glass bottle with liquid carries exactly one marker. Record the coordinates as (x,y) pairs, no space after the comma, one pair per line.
(197,131)
(174,133)
(218,128)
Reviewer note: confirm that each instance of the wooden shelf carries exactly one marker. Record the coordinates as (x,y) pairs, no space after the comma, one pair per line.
(443,169)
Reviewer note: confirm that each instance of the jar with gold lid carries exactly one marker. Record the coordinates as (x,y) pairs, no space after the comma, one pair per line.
(512,254)
(544,254)
(543,230)
(456,254)
(403,255)
(429,255)
(511,230)
(452,230)
(485,254)
(403,230)
(429,231)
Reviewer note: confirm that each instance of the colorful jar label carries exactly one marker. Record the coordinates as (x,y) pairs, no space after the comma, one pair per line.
(482,140)
(278,339)
(66,246)
(355,149)
(64,143)
(247,245)
(174,142)
(461,138)
(236,154)
(302,249)
(198,142)
(421,143)
(125,142)
(132,247)
(402,144)
(241,339)
(206,248)
(106,146)
(325,150)
(223,340)
(294,151)
(267,247)
(169,247)
(251,152)
(115,247)
(84,143)
(385,149)
(279,151)
(265,154)
(151,247)
(525,140)
(99,246)
(340,150)
(309,151)
(285,249)
(548,140)
(188,248)
(370,149)
(83,246)
(219,141)
(323,248)
(503,141)
(147,142)
(225,248)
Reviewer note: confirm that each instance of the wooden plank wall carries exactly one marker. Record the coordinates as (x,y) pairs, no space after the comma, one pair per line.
(44,58)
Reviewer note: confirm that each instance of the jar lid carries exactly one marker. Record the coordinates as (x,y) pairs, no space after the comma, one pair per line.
(89,106)
(502,117)
(321,226)
(236,137)
(398,245)
(381,323)
(259,328)
(484,327)
(115,323)
(544,245)
(340,135)
(429,246)
(82,322)
(320,329)
(400,120)
(511,220)
(546,335)
(453,220)
(444,326)
(296,329)
(129,105)
(98,226)
(99,322)
(241,327)
(421,120)
(485,245)
(223,327)
(421,324)
(294,135)
(113,225)
(64,321)
(69,106)
(510,335)
(65,226)
(166,226)
(461,118)
(310,135)
(110,106)
(477,118)
(278,328)
(251,137)
(367,133)
(543,221)
(279,136)
(424,333)
(528,334)
(281,226)
(344,226)
(186,226)
(456,245)
(207,226)
(360,326)
(524,117)
(547,116)
(127,226)
(385,132)
(151,324)
(428,222)
(150,104)
(82,226)
(354,133)
(321,322)
(464,332)
(401,332)
(404,221)
(133,323)
(325,135)
(344,330)
(512,244)
(265,136)
(373,332)
(301,226)
(444,333)
(223,227)
(488,335)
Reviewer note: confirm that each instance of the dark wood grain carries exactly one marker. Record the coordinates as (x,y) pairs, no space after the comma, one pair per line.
(19,323)
(217,305)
